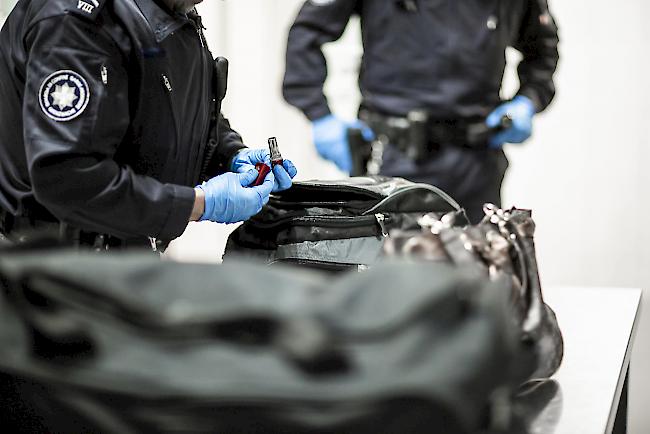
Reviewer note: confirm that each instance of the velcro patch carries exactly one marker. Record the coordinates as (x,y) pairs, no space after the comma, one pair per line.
(88,8)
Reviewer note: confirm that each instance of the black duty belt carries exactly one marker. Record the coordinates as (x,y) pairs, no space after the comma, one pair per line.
(418,136)
(420,130)
(25,229)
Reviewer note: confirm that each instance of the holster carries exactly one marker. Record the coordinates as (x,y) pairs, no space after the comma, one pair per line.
(360,149)
(410,134)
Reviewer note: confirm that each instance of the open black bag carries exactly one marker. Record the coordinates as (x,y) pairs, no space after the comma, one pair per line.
(126,344)
(336,225)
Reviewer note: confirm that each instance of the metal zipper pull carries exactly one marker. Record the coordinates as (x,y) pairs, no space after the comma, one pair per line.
(197,22)
(154,244)
(200,32)
(408,5)
(492,22)
(104,73)
(381,221)
(167,83)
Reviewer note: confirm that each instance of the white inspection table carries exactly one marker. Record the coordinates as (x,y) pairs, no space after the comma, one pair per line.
(590,389)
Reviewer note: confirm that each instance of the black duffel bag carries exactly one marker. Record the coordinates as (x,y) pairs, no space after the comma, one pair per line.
(336,225)
(129,344)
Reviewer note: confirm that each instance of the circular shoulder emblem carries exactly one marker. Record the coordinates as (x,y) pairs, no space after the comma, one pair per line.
(64,95)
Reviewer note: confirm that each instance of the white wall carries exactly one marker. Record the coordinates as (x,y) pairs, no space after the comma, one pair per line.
(5,8)
(584,173)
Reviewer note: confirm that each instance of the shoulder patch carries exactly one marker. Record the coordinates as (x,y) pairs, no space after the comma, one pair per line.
(89,9)
(64,95)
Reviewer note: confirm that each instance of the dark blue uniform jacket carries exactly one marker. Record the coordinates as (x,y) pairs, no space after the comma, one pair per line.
(106,109)
(444,56)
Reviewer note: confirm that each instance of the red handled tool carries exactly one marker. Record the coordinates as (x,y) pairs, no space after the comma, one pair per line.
(276,158)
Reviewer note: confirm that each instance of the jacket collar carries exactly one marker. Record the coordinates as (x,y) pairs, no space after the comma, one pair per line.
(162,22)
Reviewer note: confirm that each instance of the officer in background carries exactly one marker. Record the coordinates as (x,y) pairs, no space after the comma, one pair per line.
(110,117)
(430,82)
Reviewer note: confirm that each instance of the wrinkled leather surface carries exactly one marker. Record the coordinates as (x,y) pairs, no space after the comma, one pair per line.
(501,245)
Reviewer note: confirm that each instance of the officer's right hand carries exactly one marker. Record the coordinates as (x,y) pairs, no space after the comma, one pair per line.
(521,110)
(331,139)
(228,199)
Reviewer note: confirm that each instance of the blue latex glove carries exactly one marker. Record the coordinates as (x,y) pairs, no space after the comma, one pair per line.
(331,139)
(521,109)
(284,175)
(228,199)
(246,159)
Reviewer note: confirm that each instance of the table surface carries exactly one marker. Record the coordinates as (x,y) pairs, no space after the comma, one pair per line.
(598,325)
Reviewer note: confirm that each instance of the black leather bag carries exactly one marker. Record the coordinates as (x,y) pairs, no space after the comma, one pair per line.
(129,344)
(337,225)
(502,245)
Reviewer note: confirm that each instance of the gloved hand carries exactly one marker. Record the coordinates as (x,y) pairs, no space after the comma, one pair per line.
(228,199)
(246,159)
(521,109)
(331,139)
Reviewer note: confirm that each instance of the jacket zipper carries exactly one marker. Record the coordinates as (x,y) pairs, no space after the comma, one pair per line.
(206,94)
(168,90)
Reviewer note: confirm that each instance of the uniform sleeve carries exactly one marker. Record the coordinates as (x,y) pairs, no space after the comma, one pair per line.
(318,22)
(538,42)
(76,114)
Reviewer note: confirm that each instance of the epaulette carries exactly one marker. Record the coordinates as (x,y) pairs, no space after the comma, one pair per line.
(88,9)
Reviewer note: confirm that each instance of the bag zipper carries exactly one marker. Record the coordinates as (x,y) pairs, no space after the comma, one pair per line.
(330,221)
(321,204)
(360,190)
(320,265)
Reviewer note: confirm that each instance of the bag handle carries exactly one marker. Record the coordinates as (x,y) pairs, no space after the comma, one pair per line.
(454,206)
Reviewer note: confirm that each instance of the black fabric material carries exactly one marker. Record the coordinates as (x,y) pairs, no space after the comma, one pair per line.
(130,344)
(444,56)
(127,164)
(337,210)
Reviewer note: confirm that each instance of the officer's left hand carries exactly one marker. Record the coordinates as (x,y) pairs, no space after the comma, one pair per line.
(521,110)
(246,159)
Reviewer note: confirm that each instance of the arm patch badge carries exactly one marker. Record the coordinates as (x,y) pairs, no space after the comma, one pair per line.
(64,95)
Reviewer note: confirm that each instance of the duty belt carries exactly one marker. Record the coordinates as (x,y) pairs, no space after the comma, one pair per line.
(419,129)
(25,229)
(417,135)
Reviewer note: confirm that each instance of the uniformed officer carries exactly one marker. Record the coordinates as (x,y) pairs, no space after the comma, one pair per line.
(110,117)
(430,82)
